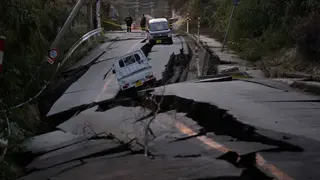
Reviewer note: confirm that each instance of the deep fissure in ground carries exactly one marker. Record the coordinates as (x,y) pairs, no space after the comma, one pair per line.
(220,122)
(217,120)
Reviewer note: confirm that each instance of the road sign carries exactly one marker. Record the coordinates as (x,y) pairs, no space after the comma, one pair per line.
(50,61)
(53,54)
(236,2)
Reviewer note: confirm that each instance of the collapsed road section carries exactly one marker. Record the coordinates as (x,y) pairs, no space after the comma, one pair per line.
(219,130)
(241,114)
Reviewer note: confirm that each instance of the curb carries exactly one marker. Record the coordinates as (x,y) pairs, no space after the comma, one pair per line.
(301,75)
(192,42)
(211,59)
(261,64)
(296,75)
(199,44)
(307,86)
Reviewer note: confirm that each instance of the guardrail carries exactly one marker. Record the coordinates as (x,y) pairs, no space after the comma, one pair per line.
(3,142)
(78,43)
(70,52)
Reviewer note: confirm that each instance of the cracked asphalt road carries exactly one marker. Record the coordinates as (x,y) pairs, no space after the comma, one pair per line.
(234,130)
(96,86)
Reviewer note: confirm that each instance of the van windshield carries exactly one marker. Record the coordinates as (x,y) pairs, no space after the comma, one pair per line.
(159,26)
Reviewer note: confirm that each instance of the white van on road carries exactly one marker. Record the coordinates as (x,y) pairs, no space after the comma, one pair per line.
(133,71)
(159,31)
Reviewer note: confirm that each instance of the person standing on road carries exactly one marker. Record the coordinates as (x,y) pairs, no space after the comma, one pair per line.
(143,23)
(129,21)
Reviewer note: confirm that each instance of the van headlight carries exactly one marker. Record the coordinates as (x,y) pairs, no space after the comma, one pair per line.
(169,35)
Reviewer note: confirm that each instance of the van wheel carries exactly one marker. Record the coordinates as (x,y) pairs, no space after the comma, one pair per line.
(152,42)
(170,41)
(132,92)
(151,84)
(154,82)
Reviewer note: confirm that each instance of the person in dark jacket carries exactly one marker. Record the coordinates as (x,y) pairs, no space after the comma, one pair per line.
(143,23)
(129,21)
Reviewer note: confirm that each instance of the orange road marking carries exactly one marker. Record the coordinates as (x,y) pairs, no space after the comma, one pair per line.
(209,142)
(104,88)
(108,82)
(260,161)
(276,172)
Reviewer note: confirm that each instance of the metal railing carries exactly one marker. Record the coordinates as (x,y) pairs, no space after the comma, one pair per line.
(70,52)
(78,43)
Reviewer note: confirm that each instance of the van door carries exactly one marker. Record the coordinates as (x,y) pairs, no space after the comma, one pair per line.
(131,64)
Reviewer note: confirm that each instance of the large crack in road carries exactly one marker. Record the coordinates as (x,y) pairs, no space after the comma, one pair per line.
(216,120)
(211,119)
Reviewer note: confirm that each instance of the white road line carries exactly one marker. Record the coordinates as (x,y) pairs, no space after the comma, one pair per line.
(133,46)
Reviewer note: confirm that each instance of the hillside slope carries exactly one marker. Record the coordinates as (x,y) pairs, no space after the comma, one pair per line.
(284,33)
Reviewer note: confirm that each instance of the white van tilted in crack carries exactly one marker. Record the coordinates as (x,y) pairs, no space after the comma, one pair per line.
(133,71)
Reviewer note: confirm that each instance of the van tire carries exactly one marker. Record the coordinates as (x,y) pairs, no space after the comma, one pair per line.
(152,42)
(170,41)
(132,92)
(152,83)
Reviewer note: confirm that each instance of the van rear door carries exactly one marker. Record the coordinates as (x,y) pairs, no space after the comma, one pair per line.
(131,63)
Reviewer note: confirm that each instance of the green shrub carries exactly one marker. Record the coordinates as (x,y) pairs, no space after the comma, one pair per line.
(30,26)
(260,27)
(307,35)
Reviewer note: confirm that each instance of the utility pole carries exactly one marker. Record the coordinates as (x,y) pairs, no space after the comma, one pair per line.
(197,61)
(199,28)
(98,15)
(90,18)
(151,8)
(230,20)
(166,8)
(172,13)
(188,19)
(67,24)
(137,9)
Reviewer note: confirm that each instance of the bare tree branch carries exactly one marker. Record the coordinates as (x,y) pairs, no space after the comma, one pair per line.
(147,128)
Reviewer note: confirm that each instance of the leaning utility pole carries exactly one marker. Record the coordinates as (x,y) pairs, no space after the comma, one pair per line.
(98,14)
(230,20)
(67,24)
(90,18)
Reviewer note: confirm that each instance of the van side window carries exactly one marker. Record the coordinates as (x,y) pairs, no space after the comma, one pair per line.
(138,58)
(121,63)
(129,60)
